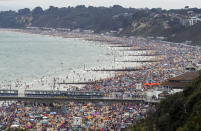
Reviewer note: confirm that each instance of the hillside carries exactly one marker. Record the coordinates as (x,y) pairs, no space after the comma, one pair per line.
(188,34)
(179,112)
(98,19)
(169,24)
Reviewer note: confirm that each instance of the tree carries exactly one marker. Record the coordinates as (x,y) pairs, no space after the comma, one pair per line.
(25,11)
(37,11)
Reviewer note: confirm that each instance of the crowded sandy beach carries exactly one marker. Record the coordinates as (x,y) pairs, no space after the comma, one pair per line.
(174,59)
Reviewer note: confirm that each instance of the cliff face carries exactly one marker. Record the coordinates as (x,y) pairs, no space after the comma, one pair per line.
(180,112)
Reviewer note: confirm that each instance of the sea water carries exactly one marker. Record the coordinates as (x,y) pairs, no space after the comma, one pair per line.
(29,57)
(35,61)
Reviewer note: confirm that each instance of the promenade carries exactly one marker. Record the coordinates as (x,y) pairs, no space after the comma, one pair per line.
(74,99)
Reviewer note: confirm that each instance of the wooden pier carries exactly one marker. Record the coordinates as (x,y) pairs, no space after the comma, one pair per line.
(147,55)
(142,61)
(140,49)
(115,70)
(77,83)
(122,46)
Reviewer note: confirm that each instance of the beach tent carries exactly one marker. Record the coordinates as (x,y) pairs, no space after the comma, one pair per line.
(152,84)
(146,84)
(45,117)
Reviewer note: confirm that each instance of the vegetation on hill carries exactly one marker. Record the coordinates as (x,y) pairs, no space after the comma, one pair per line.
(179,112)
(125,21)
(94,18)
(188,34)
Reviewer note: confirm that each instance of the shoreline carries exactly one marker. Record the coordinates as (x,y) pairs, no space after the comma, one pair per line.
(86,37)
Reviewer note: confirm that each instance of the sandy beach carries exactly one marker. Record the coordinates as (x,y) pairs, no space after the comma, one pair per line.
(144,83)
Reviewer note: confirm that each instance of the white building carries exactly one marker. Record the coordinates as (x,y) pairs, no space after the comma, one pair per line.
(193,20)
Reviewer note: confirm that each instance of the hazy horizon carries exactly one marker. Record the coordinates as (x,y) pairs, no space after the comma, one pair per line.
(170,4)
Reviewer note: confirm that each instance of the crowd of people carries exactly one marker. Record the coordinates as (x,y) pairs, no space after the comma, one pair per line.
(71,116)
(173,61)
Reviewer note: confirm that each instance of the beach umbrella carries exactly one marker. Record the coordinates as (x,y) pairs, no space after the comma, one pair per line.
(29,126)
(98,113)
(53,113)
(146,106)
(89,117)
(106,119)
(114,108)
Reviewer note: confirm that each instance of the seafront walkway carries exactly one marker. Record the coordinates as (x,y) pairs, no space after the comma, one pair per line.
(74,99)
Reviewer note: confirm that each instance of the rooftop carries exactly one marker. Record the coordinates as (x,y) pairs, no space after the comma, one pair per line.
(188,76)
(181,81)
